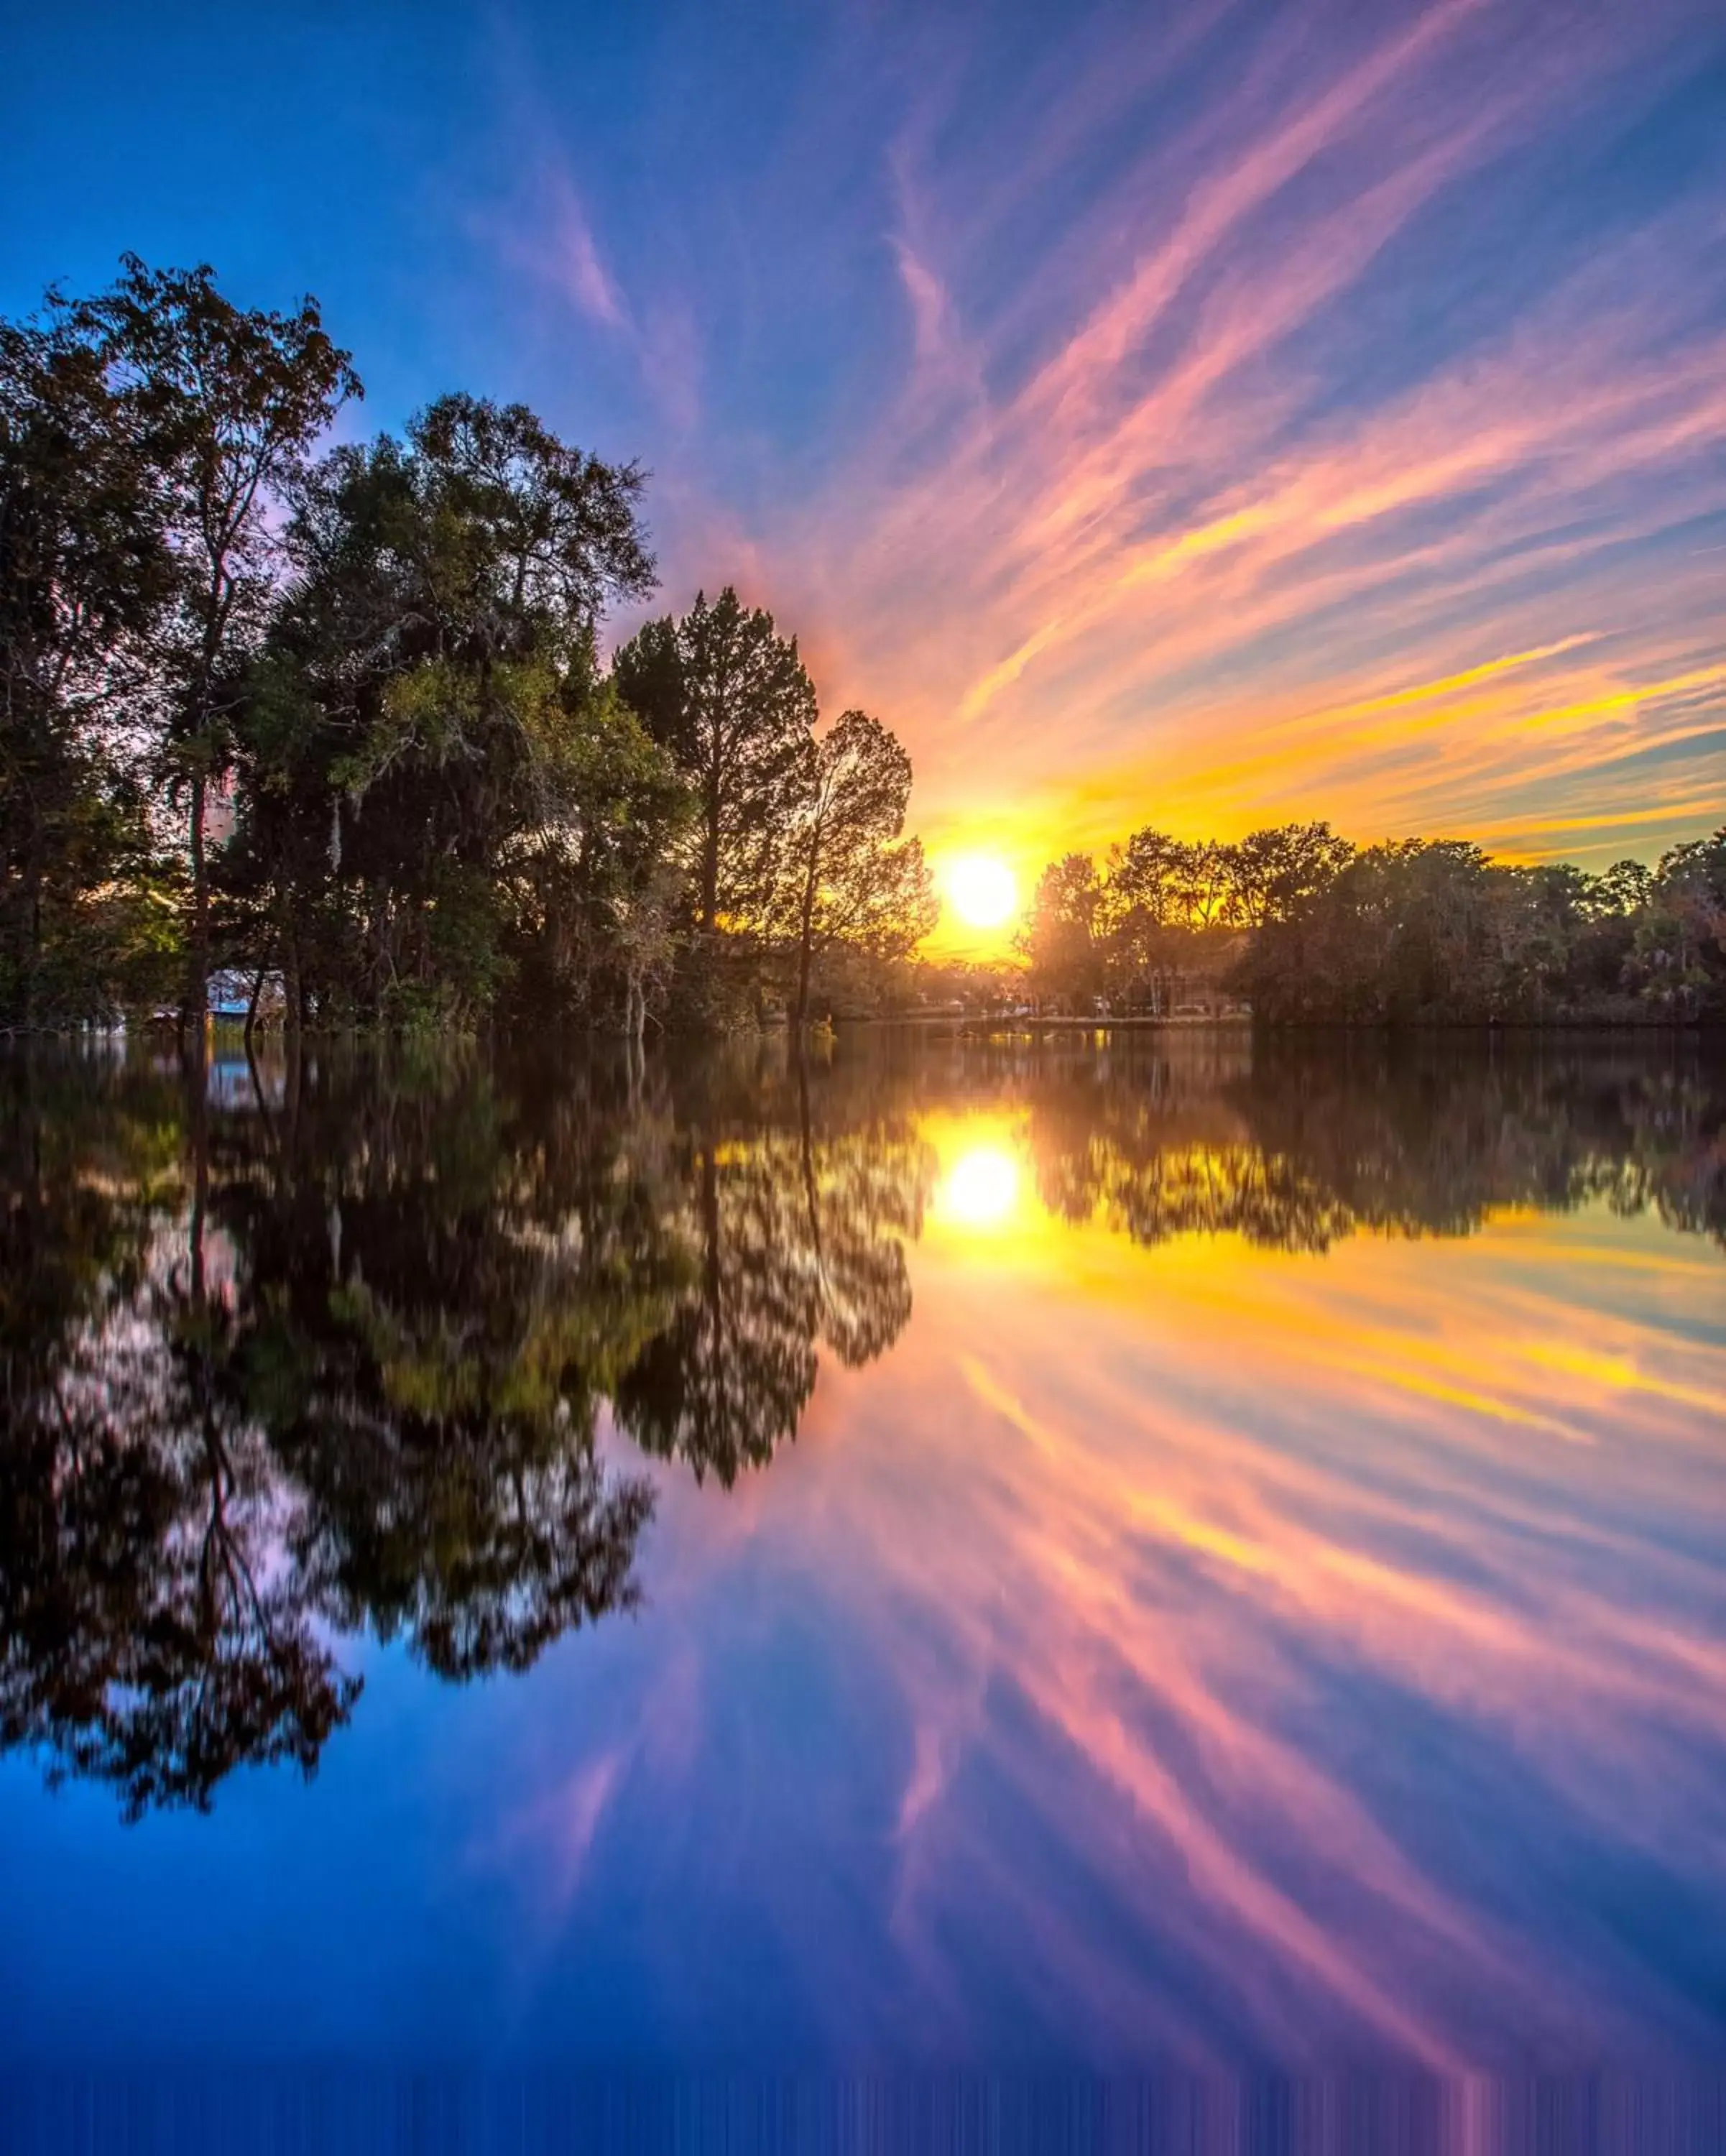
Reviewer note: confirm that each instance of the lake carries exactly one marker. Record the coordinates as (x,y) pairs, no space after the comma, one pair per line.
(1158,1554)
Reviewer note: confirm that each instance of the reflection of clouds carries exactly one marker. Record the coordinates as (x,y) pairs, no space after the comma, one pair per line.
(1265,1598)
(1346,1696)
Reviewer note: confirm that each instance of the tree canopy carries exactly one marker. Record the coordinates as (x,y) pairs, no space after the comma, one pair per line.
(1305,928)
(335,718)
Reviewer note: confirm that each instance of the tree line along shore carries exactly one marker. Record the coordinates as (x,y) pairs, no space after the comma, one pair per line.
(1294,924)
(334,723)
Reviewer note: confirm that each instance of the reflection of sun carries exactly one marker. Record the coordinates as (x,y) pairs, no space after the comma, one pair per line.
(981,1188)
(982,889)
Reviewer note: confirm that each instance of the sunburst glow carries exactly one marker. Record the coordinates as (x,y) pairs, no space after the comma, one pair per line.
(981,1188)
(983,889)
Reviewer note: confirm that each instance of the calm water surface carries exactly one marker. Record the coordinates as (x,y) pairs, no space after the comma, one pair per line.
(961,1552)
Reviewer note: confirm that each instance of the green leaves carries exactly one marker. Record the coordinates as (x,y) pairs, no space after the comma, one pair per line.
(384,658)
(729,698)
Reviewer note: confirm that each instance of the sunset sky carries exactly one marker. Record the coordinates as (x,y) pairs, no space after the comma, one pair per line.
(1206,413)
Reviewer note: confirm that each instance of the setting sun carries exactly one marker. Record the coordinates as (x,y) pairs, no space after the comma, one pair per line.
(984,891)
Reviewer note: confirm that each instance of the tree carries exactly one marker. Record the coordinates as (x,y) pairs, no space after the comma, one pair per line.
(1679,958)
(603,882)
(1279,869)
(1060,938)
(851,879)
(727,696)
(435,772)
(234,398)
(83,571)
(1624,890)
(1205,883)
(1141,917)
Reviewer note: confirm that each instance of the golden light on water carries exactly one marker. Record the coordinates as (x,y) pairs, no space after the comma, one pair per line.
(980,1189)
(982,889)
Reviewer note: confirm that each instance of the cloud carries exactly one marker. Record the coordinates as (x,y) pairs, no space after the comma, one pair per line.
(573,261)
(1245,484)
(1143,419)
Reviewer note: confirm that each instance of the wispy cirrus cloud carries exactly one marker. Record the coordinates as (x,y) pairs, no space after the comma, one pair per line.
(1254,413)
(1287,414)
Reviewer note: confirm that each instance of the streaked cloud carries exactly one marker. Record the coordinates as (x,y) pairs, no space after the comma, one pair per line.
(1261,416)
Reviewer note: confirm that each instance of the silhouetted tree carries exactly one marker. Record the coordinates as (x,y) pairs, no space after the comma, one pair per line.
(1061,936)
(235,398)
(852,879)
(727,696)
(83,572)
(440,781)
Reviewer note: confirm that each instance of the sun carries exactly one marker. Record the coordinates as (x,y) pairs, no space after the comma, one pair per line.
(983,889)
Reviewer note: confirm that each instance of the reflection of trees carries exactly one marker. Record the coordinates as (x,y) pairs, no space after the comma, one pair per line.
(1317,1143)
(341,1373)
(438,1297)
(273,1373)
(798,1213)
(153,1638)
(728,1377)
(338,1361)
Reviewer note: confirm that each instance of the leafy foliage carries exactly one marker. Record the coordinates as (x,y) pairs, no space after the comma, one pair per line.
(851,877)
(728,698)
(342,716)
(1309,928)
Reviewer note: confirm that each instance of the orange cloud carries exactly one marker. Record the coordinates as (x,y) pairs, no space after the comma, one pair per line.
(1174,568)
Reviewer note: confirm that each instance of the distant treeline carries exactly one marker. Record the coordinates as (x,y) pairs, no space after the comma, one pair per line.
(336,724)
(1304,926)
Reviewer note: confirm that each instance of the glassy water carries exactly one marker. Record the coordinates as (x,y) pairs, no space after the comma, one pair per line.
(959,1551)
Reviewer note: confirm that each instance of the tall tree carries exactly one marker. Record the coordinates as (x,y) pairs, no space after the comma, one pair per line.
(853,880)
(602,883)
(1205,882)
(235,397)
(1060,936)
(1144,918)
(82,572)
(429,742)
(729,697)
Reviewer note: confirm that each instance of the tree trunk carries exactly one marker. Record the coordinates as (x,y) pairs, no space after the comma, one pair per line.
(258,987)
(292,991)
(197,977)
(32,966)
(710,879)
(806,931)
(802,1009)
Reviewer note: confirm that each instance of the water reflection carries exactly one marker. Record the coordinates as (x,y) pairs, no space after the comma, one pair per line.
(1302,1145)
(1268,1593)
(793,1225)
(308,1351)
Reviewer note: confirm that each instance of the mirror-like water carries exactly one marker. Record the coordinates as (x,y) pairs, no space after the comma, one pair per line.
(955,1552)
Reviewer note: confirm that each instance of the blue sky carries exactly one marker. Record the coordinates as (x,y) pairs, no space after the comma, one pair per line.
(1201,413)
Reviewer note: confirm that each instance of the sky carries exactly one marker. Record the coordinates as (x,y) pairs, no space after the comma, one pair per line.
(1201,414)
